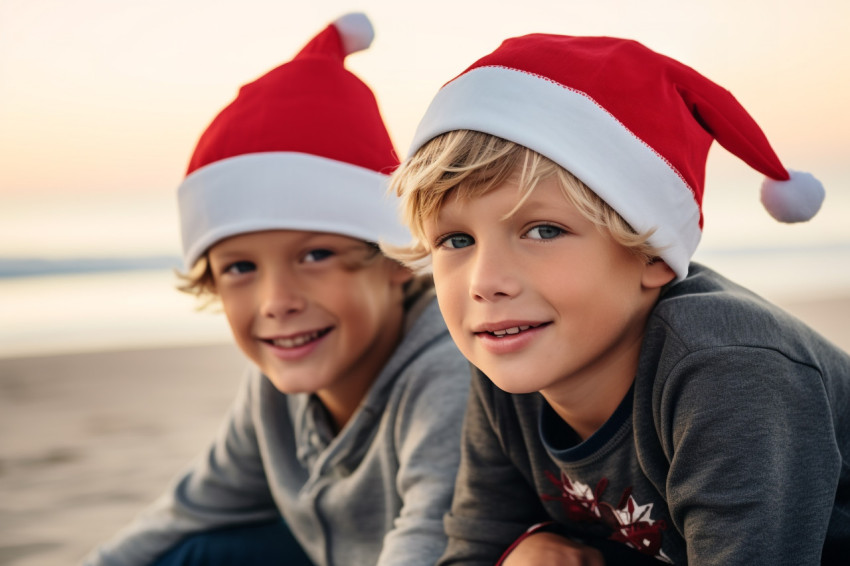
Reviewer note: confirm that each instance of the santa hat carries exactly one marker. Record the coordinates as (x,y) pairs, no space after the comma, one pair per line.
(303,148)
(633,125)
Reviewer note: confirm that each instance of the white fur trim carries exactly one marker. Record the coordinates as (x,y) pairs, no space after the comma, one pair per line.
(356,32)
(796,200)
(570,128)
(287,191)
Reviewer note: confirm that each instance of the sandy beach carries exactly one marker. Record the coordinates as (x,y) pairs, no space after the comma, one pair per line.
(86,440)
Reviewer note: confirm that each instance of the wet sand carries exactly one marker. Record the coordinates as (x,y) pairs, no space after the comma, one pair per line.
(87,440)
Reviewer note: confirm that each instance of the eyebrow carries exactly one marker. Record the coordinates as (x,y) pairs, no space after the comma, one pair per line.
(227,254)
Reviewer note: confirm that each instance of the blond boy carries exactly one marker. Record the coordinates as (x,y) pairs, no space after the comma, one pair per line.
(628,406)
(342,445)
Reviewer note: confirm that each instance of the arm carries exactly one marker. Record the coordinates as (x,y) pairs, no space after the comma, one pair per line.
(539,546)
(225,487)
(754,462)
(427,440)
(551,543)
(494,503)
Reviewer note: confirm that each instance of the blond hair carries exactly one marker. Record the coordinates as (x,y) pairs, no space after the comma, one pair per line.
(467,164)
(199,282)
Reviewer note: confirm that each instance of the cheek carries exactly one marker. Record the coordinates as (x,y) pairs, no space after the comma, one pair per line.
(450,297)
(236,309)
(446,274)
(369,287)
(365,300)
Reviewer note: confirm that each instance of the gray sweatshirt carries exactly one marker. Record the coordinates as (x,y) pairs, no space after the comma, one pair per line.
(375,493)
(732,447)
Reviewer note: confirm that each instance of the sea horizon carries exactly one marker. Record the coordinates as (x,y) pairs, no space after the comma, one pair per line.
(96,303)
(43,266)
(91,272)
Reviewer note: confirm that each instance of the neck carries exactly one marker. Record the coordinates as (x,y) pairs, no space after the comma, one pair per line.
(586,401)
(590,408)
(342,399)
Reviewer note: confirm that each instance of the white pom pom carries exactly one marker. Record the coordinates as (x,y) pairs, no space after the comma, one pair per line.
(356,32)
(796,200)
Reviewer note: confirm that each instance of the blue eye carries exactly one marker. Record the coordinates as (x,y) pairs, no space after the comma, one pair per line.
(455,241)
(317,255)
(544,232)
(239,267)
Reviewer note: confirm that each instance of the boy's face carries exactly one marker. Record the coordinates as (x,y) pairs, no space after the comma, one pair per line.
(309,308)
(541,300)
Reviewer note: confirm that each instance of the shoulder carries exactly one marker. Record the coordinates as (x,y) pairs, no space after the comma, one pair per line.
(707,311)
(427,350)
(710,336)
(705,297)
(427,368)
(423,403)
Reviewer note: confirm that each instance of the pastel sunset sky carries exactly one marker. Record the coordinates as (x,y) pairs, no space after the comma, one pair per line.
(105,99)
(102,102)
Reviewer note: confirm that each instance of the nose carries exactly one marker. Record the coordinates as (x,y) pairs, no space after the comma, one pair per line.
(493,275)
(281,295)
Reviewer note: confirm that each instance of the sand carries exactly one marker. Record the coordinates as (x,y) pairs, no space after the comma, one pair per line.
(86,440)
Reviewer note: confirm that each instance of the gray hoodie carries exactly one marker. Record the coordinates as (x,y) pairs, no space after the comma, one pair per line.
(731,448)
(375,493)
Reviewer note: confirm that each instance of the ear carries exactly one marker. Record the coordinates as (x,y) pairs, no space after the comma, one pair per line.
(656,274)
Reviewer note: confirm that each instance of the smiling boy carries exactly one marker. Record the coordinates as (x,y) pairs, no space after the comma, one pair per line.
(571,325)
(628,406)
(343,442)
(318,312)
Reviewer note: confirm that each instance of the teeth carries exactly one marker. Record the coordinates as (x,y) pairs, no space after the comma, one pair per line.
(296,341)
(512,330)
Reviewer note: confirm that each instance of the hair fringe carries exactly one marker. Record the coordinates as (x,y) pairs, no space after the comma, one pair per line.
(465,164)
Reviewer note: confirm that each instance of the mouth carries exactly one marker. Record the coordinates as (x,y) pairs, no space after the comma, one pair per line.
(297,340)
(511,330)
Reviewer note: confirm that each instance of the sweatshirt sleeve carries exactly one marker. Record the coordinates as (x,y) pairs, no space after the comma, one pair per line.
(494,503)
(754,463)
(427,437)
(226,486)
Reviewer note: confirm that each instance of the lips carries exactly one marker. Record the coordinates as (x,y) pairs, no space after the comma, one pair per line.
(500,330)
(297,340)
(510,336)
(511,330)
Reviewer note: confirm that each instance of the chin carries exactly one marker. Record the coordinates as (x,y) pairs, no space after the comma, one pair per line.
(286,386)
(280,385)
(514,386)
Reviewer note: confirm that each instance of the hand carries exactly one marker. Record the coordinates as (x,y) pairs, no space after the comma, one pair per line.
(542,549)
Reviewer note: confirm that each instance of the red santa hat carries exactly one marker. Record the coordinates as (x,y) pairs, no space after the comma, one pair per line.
(303,148)
(634,125)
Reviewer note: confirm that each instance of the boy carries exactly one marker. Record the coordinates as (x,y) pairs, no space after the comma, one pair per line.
(342,446)
(628,406)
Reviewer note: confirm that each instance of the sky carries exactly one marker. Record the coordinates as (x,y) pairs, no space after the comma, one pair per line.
(102,101)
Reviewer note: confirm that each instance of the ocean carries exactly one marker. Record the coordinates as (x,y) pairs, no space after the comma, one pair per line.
(96,272)
(88,304)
